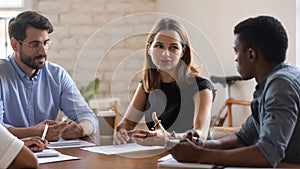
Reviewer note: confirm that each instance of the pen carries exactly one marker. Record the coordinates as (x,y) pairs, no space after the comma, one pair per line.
(45,132)
(153,128)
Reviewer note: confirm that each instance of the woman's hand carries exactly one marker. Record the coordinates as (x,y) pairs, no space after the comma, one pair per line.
(34,143)
(121,137)
(158,137)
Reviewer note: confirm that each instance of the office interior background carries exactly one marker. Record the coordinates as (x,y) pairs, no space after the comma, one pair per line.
(105,39)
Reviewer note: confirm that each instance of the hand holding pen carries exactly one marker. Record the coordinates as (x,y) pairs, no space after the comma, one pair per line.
(157,135)
(44,133)
(34,143)
(54,129)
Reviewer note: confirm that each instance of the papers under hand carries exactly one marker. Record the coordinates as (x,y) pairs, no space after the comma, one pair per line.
(69,143)
(171,143)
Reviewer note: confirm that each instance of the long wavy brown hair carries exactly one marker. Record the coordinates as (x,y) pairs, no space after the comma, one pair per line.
(184,71)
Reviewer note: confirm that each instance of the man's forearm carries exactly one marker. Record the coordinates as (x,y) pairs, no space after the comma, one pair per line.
(229,142)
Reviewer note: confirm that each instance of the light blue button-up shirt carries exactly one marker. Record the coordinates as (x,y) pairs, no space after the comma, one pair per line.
(26,102)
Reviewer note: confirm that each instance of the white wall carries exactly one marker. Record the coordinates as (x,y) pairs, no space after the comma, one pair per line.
(97,38)
(79,25)
(216,19)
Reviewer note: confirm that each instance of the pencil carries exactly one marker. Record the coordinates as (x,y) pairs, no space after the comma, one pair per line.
(153,128)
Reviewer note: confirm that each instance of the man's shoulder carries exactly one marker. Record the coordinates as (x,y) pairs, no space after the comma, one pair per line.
(4,64)
(53,67)
(287,71)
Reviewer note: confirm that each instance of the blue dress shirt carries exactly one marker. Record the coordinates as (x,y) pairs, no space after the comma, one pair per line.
(26,102)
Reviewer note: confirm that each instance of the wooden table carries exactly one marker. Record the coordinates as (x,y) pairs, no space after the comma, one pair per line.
(90,160)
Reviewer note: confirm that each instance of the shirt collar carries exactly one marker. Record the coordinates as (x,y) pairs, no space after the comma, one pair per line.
(260,85)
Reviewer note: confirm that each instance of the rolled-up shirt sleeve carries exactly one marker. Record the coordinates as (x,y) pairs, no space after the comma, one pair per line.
(73,104)
(279,117)
(9,148)
(248,132)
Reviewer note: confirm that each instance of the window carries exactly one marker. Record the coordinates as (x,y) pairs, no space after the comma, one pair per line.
(9,9)
(11,4)
(5,48)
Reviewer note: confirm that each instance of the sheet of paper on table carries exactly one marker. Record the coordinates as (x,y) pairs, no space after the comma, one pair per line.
(50,155)
(47,153)
(119,149)
(69,143)
(169,161)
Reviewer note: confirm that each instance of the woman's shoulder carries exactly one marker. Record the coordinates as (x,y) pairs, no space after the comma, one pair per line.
(203,81)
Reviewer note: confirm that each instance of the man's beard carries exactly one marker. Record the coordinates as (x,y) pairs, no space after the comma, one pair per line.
(30,62)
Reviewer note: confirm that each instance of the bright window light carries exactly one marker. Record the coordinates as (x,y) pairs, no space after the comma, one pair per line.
(11,3)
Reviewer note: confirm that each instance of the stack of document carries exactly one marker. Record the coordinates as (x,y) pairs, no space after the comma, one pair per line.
(51,155)
(47,153)
(69,143)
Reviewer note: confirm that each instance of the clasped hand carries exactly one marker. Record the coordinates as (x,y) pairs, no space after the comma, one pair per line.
(66,130)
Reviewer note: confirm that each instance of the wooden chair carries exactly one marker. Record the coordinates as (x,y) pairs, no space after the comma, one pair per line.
(226,110)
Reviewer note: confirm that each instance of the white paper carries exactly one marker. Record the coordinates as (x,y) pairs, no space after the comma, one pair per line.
(61,157)
(164,158)
(169,161)
(47,153)
(69,143)
(123,148)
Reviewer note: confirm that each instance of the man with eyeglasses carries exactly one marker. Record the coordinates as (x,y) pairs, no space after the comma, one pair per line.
(33,90)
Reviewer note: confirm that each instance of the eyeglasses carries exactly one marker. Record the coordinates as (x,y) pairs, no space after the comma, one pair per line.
(36,45)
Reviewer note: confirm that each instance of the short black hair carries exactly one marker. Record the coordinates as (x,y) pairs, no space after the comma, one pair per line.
(17,26)
(266,34)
